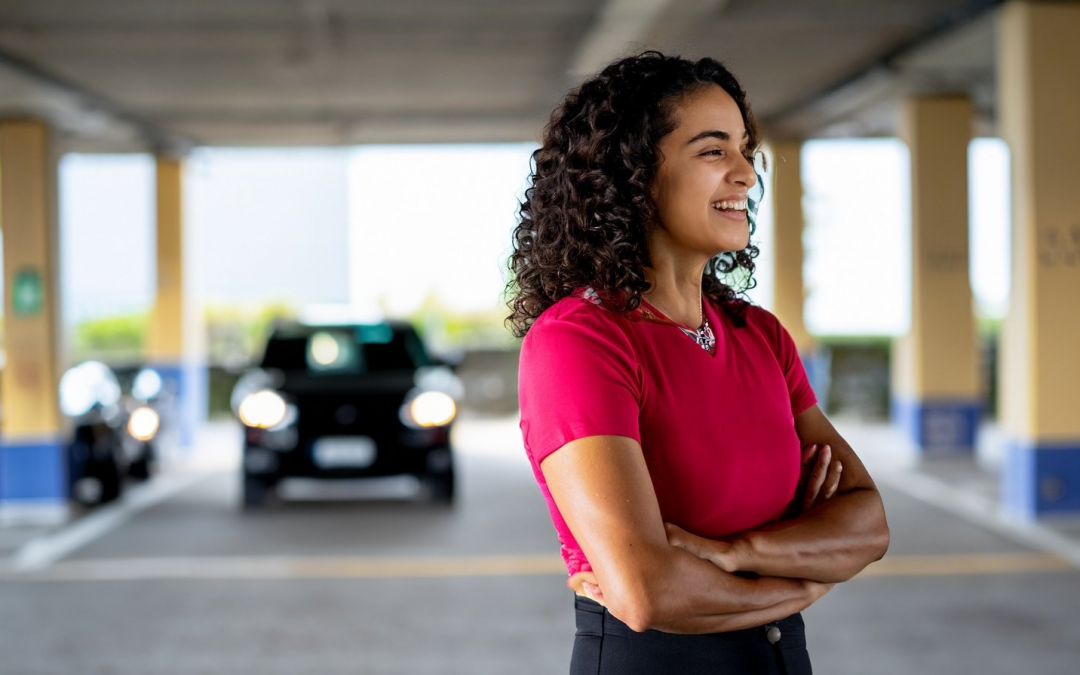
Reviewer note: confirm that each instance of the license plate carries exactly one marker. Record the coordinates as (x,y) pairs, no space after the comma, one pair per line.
(353,452)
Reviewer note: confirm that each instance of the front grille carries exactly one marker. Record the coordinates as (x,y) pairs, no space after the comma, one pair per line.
(341,415)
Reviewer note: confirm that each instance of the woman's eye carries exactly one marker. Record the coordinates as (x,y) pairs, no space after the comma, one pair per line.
(713,153)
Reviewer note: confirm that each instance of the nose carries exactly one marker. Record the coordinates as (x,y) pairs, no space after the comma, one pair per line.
(744,173)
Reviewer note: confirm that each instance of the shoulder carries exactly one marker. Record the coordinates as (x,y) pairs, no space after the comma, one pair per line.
(754,322)
(769,329)
(583,309)
(760,317)
(743,313)
(578,322)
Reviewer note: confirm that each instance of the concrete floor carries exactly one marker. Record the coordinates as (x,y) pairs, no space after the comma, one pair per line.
(384,583)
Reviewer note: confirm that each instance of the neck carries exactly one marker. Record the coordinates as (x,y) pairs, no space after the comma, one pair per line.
(676,293)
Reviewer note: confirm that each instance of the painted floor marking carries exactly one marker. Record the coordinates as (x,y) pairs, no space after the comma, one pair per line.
(285,567)
(965,564)
(43,552)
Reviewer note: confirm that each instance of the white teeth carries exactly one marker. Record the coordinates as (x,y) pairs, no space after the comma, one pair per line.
(730,206)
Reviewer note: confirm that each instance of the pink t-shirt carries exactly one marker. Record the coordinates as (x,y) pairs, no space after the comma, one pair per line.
(717,431)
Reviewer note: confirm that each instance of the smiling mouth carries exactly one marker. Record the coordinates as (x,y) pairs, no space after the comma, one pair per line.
(730,205)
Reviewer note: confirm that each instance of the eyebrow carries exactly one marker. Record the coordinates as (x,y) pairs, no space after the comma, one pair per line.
(715,133)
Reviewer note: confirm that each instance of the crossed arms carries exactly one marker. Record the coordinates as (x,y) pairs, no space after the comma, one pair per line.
(654,576)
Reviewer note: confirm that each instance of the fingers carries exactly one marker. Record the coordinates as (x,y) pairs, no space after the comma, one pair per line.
(817,476)
(592,591)
(832,481)
(680,538)
(675,534)
(809,455)
(585,583)
(830,485)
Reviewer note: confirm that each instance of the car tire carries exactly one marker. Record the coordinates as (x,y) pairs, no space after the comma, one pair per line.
(256,492)
(441,486)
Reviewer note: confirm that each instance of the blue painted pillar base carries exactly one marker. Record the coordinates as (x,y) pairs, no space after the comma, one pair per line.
(185,389)
(818,364)
(1041,479)
(33,481)
(939,428)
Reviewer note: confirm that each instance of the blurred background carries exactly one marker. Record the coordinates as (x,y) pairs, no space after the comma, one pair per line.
(180,181)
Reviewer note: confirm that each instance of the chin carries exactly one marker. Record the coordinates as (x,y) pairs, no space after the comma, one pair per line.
(732,246)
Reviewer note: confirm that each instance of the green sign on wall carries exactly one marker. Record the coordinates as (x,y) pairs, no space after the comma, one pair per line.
(27,295)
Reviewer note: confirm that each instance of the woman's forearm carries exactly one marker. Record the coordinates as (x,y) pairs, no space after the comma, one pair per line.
(742,620)
(686,594)
(831,543)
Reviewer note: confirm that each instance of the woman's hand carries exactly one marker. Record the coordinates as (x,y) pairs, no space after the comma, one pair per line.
(819,479)
(815,590)
(585,583)
(721,553)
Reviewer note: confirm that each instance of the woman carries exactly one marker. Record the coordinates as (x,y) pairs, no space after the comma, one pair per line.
(665,417)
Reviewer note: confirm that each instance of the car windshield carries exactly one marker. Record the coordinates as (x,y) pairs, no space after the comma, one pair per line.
(346,350)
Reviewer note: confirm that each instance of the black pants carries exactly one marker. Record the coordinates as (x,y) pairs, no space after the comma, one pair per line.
(606,646)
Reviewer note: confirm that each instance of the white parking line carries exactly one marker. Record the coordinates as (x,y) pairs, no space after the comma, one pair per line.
(40,553)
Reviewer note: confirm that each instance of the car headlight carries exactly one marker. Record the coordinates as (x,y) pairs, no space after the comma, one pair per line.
(263,409)
(143,423)
(429,409)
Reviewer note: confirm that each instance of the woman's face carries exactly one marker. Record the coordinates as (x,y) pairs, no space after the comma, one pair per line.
(701,185)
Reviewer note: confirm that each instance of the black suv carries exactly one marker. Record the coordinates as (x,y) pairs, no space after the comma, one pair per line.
(346,401)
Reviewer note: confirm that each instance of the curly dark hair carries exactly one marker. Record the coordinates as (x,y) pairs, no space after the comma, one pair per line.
(588,211)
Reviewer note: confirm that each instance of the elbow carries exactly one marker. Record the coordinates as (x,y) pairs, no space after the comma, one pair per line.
(879,539)
(638,611)
(881,542)
(876,545)
(639,622)
(873,549)
(642,603)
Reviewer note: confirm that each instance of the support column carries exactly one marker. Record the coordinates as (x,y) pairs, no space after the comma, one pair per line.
(1038,109)
(33,463)
(936,392)
(788,291)
(174,347)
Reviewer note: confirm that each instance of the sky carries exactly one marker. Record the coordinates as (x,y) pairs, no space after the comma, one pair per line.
(394,224)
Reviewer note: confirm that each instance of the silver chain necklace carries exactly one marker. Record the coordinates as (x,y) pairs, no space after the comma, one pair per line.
(703,335)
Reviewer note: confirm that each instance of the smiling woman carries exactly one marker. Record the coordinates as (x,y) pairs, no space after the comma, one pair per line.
(701,498)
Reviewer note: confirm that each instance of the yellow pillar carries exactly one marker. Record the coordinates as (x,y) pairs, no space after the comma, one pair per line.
(788,290)
(166,335)
(174,347)
(1038,109)
(936,391)
(33,465)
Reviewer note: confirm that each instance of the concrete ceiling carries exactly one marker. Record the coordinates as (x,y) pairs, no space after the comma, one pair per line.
(161,74)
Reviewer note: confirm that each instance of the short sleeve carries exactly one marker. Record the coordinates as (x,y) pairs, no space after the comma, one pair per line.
(577,377)
(798,385)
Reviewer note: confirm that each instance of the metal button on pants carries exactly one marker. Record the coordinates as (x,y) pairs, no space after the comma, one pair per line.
(772,633)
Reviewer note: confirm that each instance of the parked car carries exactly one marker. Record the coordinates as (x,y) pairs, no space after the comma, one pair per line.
(343,402)
(112,435)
